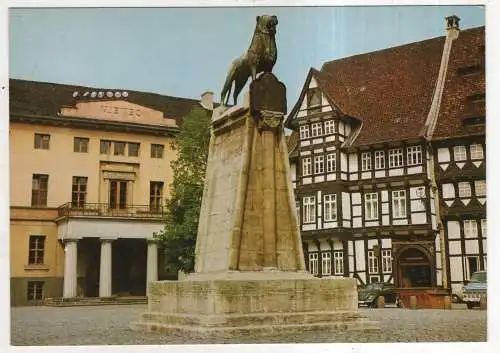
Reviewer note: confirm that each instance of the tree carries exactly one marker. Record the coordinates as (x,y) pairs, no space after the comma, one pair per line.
(183,206)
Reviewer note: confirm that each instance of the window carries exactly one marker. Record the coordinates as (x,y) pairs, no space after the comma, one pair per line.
(81,144)
(105,147)
(379,160)
(330,207)
(36,249)
(476,151)
(119,148)
(35,290)
(117,194)
(133,149)
(399,204)
(157,150)
(309,207)
(464,189)
(39,190)
(329,127)
(331,162)
(313,263)
(484,228)
(480,186)
(42,141)
(155,196)
(319,167)
(473,264)
(386,261)
(304,132)
(374,279)
(414,155)
(395,157)
(470,228)
(306,166)
(366,161)
(326,263)
(79,191)
(459,153)
(317,129)
(372,262)
(338,262)
(371,206)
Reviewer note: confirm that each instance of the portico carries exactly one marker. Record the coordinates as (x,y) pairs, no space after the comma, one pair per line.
(108,255)
(119,271)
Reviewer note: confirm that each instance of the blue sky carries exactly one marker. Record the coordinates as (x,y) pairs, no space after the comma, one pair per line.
(186,51)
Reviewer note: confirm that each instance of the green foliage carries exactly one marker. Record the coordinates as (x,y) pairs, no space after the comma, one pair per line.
(183,205)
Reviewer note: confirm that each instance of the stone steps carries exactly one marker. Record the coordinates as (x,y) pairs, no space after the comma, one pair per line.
(65,302)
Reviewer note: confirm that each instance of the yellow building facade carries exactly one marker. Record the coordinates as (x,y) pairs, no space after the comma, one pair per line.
(89,171)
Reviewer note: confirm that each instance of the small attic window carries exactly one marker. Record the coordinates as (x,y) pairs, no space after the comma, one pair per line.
(476,98)
(314,100)
(475,120)
(469,70)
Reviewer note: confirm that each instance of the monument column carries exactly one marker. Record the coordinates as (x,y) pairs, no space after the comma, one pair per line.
(105,270)
(152,265)
(70,269)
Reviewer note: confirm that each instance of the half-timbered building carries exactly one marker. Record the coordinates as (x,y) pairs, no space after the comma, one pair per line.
(388,162)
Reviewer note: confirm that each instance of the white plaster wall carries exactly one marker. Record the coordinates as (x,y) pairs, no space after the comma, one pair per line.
(454,247)
(356,198)
(360,255)
(396,172)
(453,230)
(293,171)
(313,83)
(418,218)
(471,247)
(456,270)
(356,222)
(386,243)
(353,162)
(323,245)
(443,154)
(417,205)
(356,210)
(398,222)
(346,205)
(415,170)
(448,191)
(343,162)
(311,247)
(385,220)
(384,195)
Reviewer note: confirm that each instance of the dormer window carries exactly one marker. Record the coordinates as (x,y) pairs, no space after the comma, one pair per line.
(314,100)
(475,120)
(476,98)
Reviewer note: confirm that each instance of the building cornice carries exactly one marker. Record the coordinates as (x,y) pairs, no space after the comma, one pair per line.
(94,124)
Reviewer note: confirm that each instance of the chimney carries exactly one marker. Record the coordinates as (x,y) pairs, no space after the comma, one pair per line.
(207,100)
(452,30)
(452,26)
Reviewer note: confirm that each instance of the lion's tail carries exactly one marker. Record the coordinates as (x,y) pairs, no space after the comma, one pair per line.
(228,84)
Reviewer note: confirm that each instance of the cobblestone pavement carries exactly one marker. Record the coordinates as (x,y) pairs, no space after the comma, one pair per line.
(105,325)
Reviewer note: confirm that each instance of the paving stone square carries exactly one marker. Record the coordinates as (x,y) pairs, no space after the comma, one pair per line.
(109,325)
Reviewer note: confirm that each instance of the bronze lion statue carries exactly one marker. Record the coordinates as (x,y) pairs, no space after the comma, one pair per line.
(260,57)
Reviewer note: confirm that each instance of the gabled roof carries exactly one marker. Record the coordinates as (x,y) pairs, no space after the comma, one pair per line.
(44,98)
(390,91)
(292,141)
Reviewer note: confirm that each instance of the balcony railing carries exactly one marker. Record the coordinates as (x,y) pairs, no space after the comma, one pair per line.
(105,210)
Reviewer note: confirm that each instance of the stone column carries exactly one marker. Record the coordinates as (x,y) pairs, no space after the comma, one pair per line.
(152,266)
(70,269)
(105,270)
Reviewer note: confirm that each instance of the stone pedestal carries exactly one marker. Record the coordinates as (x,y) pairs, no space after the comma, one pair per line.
(250,275)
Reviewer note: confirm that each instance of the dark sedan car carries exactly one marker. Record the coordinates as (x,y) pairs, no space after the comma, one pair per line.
(368,296)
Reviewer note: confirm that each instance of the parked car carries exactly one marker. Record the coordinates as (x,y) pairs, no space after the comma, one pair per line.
(475,289)
(368,295)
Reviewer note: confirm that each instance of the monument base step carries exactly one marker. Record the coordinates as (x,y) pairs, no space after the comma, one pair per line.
(270,325)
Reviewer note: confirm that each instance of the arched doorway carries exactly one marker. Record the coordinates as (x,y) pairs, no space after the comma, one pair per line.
(414,268)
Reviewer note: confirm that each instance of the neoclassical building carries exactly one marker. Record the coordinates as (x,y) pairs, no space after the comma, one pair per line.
(89,171)
(388,162)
